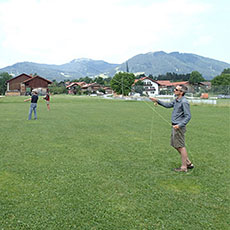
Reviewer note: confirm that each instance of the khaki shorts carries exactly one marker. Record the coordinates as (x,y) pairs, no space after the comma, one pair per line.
(47,102)
(178,138)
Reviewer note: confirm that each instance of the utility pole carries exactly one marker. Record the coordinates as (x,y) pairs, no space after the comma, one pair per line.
(122,87)
(127,71)
(127,67)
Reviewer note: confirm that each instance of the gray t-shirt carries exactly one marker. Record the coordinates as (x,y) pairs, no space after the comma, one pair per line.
(181,114)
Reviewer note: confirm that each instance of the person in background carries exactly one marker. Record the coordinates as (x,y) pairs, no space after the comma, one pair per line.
(33,105)
(47,98)
(180,117)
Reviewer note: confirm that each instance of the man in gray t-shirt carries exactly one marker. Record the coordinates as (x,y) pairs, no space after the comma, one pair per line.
(180,117)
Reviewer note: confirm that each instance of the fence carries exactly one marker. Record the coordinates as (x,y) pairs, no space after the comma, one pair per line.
(222,91)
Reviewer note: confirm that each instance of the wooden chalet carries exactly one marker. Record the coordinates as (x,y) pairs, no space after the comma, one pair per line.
(108,90)
(73,86)
(24,84)
(205,84)
(92,87)
(15,86)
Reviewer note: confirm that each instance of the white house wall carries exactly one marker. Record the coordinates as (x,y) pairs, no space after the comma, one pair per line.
(151,85)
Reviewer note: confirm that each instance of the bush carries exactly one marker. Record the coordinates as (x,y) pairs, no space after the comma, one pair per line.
(58,90)
(86,92)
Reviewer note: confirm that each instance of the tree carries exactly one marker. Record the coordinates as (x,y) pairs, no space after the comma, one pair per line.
(140,76)
(87,80)
(54,83)
(226,71)
(57,88)
(99,80)
(221,84)
(77,90)
(121,83)
(138,88)
(174,77)
(4,77)
(195,77)
(152,77)
(223,79)
(107,81)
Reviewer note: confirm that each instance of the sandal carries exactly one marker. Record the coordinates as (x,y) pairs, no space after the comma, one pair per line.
(180,170)
(190,166)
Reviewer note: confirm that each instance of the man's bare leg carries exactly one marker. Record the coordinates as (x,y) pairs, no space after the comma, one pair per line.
(184,157)
(188,162)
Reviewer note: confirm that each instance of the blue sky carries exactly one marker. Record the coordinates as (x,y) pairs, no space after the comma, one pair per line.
(58,31)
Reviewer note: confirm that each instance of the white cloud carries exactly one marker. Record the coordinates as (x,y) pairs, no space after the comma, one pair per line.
(56,31)
(203,40)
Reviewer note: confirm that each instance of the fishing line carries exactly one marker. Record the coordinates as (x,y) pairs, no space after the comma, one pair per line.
(161,172)
(154,110)
(151,136)
(128,87)
(151,130)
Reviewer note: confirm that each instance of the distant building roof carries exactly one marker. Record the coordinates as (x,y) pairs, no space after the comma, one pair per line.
(91,84)
(76,83)
(23,74)
(162,82)
(32,79)
(144,78)
(168,83)
(206,83)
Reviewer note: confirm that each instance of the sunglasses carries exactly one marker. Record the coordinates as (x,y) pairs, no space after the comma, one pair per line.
(176,89)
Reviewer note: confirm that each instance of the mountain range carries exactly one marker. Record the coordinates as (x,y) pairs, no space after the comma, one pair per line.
(153,63)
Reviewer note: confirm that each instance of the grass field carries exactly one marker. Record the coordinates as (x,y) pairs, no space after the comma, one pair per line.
(93,164)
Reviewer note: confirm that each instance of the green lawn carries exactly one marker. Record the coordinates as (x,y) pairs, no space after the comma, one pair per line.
(101,164)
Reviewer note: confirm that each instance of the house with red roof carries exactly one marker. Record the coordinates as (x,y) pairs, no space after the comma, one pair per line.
(150,86)
(92,87)
(167,85)
(153,87)
(73,87)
